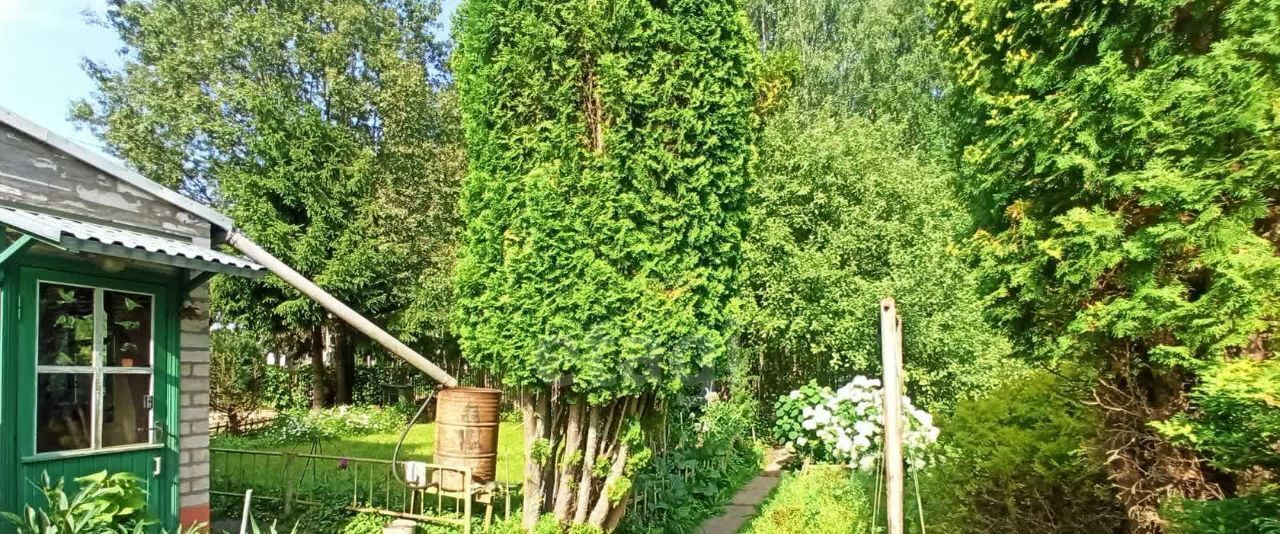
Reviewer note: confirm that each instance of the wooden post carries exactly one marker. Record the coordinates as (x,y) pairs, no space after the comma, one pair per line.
(891,350)
(289,488)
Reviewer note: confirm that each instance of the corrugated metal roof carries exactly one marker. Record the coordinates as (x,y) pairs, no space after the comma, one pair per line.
(78,236)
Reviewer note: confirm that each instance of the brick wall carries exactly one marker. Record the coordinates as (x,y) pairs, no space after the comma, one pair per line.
(193,455)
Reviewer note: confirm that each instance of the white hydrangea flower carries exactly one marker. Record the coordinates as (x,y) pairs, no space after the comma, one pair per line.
(867,463)
(861,442)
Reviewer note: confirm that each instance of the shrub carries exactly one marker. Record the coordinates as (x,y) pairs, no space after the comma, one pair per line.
(820,499)
(846,425)
(1018,461)
(1236,427)
(236,374)
(296,426)
(1237,424)
(283,390)
(1255,514)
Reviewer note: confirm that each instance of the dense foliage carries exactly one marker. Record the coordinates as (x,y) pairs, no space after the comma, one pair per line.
(237,385)
(301,426)
(609,146)
(1020,461)
(605,195)
(874,59)
(851,203)
(1235,427)
(1121,160)
(320,127)
(835,228)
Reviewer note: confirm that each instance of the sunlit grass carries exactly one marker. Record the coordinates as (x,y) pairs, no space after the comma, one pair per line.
(266,475)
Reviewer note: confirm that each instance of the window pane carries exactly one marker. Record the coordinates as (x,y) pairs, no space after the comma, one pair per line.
(125,417)
(63,411)
(128,329)
(66,325)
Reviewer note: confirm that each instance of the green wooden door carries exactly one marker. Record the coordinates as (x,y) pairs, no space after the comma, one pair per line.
(96,383)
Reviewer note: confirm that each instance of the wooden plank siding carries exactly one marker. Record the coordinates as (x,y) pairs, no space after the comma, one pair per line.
(38,177)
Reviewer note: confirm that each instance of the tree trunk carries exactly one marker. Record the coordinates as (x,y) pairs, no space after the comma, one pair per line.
(319,386)
(343,355)
(1144,467)
(566,442)
(583,503)
(570,462)
(533,407)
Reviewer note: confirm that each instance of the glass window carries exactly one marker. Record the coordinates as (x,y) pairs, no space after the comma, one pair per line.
(64,411)
(126,418)
(128,329)
(94,354)
(66,325)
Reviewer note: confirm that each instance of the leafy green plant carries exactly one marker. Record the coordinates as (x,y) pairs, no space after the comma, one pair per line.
(364,523)
(788,422)
(1236,424)
(301,425)
(1258,513)
(282,389)
(705,454)
(104,504)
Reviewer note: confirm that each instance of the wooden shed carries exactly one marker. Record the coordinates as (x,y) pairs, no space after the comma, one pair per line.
(104,325)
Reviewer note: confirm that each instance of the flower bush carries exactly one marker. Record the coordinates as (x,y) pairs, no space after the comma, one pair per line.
(844,426)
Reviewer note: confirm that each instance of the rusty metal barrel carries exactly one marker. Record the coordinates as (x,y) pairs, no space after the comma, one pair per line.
(467,434)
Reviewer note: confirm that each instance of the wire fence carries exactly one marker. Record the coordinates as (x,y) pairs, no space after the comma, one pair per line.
(356,484)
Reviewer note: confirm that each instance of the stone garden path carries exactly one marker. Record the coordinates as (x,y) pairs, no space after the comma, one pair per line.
(745,503)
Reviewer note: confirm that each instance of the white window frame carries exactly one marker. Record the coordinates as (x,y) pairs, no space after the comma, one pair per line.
(98,370)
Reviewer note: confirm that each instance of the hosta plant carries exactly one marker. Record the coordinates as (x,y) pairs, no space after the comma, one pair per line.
(846,425)
(104,504)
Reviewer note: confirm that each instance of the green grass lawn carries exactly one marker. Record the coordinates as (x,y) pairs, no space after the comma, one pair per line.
(330,478)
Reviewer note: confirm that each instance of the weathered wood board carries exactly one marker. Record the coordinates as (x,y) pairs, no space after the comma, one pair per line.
(37,176)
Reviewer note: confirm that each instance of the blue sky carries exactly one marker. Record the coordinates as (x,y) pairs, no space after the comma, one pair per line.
(41,43)
(41,46)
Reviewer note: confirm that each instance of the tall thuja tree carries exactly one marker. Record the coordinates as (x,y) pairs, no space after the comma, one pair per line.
(1122,159)
(321,127)
(609,147)
(852,202)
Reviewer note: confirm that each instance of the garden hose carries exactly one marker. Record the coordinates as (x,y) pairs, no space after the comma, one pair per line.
(395,454)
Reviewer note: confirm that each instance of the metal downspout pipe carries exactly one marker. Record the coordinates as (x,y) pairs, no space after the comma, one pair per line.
(335,306)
